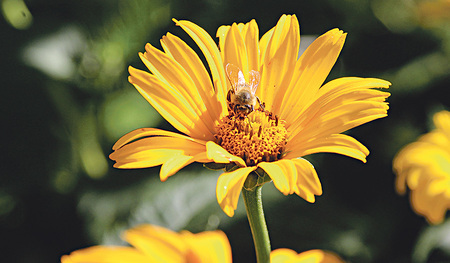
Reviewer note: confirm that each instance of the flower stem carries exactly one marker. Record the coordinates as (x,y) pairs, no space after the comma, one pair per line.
(255,214)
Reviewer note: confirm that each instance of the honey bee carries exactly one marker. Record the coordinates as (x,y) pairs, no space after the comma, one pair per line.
(241,97)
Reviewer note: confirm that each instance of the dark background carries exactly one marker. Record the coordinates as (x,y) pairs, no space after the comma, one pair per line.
(65,100)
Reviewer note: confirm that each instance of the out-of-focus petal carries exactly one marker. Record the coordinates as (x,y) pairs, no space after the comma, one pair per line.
(102,254)
(285,255)
(424,167)
(207,247)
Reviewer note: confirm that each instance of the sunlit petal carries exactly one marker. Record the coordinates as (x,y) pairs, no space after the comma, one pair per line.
(336,143)
(189,60)
(229,187)
(220,155)
(308,183)
(213,57)
(235,51)
(170,103)
(148,132)
(279,61)
(310,72)
(279,176)
(337,102)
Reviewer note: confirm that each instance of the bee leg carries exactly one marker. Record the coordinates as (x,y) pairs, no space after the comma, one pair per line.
(249,123)
(231,106)
(229,95)
(262,105)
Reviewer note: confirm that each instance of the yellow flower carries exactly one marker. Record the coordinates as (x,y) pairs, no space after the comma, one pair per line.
(431,13)
(424,166)
(295,115)
(284,255)
(157,244)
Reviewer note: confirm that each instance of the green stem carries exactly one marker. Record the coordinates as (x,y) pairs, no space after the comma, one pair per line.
(255,214)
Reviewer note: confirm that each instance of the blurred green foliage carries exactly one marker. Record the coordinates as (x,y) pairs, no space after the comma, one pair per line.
(66,100)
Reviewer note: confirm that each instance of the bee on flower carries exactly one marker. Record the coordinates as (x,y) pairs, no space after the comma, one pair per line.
(242,96)
(258,109)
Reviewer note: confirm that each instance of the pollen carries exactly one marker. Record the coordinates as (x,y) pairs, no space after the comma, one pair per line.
(259,137)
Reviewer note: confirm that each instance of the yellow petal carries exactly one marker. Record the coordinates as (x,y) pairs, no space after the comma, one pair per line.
(177,162)
(308,183)
(212,55)
(342,118)
(221,33)
(235,50)
(136,149)
(442,121)
(310,72)
(250,34)
(263,43)
(148,158)
(175,76)
(338,100)
(207,247)
(157,242)
(290,172)
(189,60)
(335,143)
(158,149)
(148,132)
(279,62)
(282,255)
(229,187)
(107,254)
(278,68)
(278,175)
(170,103)
(220,155)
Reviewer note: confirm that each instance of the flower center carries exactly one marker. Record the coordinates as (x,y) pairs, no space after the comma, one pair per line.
(256,138)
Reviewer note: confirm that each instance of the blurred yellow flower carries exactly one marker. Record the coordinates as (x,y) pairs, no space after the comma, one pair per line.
(424,166)
(295,115)
(284,255)
(157,244)
(433,13)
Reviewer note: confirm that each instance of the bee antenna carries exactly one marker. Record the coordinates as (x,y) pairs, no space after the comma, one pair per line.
(262,105)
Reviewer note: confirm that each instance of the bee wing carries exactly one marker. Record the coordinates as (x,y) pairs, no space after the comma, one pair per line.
(253,80)
(235,76)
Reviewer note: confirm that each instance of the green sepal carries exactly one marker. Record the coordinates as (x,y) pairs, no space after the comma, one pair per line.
(214,166)
(251,182)
(229,167)
(263,177)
